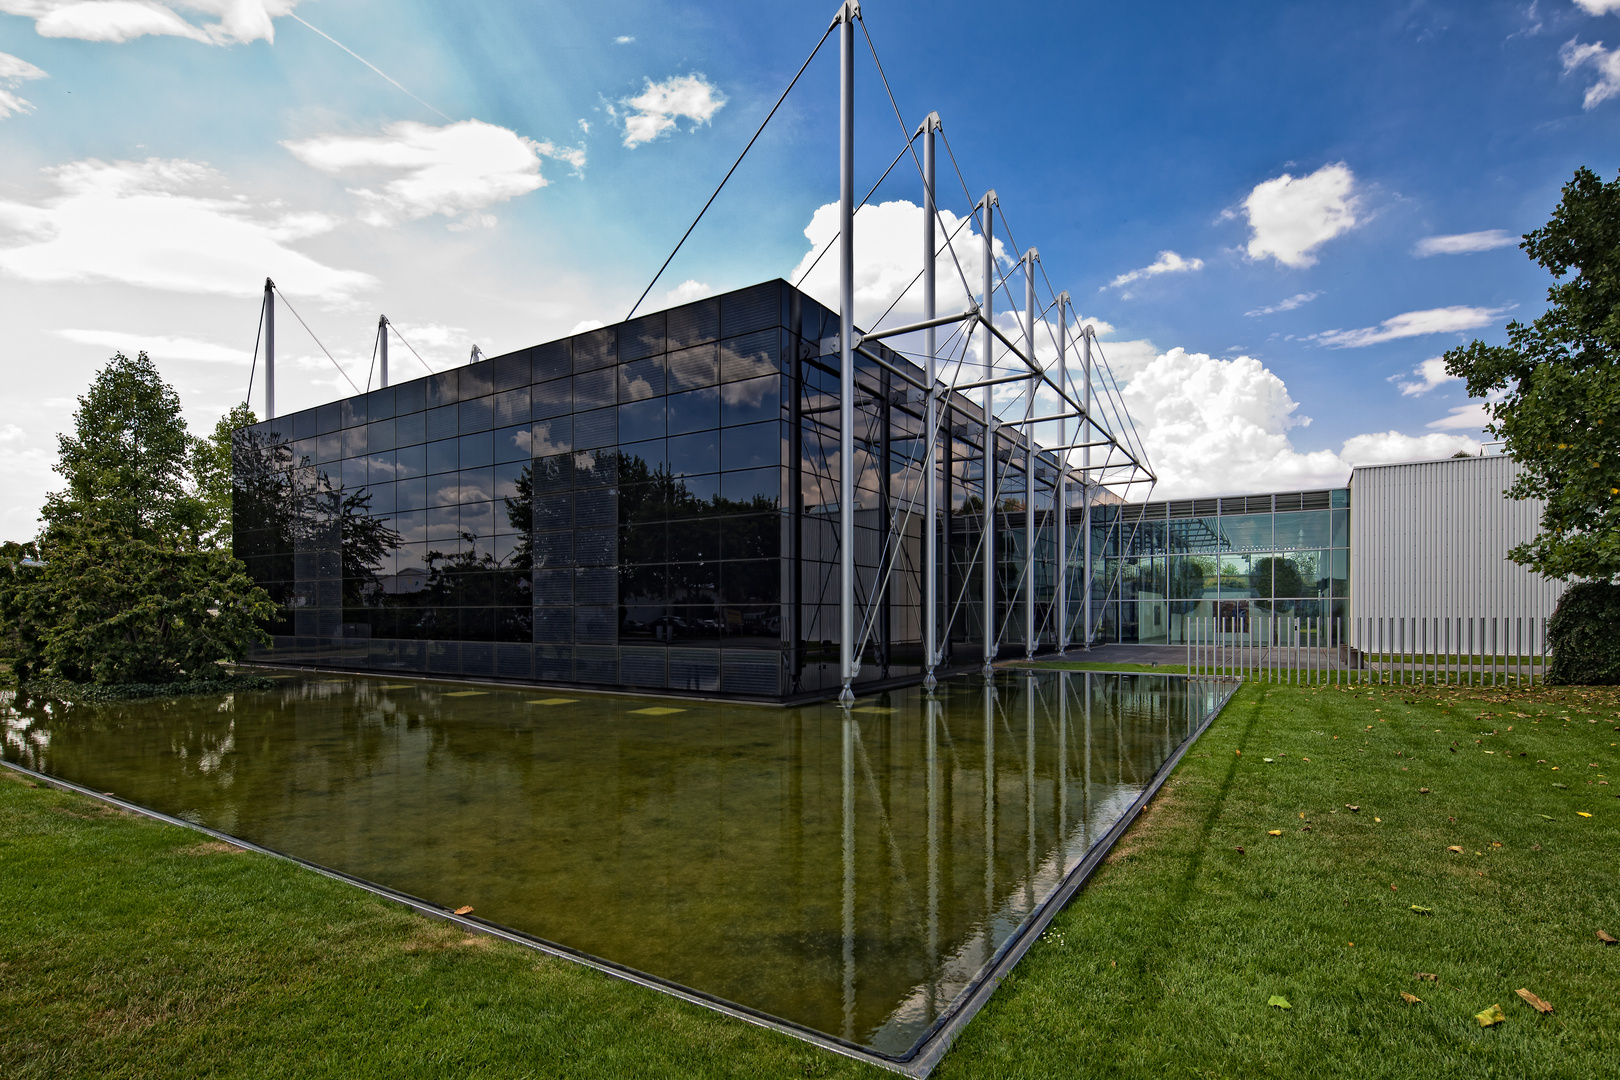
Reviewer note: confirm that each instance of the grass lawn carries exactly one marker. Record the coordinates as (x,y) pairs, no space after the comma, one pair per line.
(130,948)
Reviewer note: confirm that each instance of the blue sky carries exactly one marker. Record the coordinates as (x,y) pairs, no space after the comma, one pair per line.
(1274,212)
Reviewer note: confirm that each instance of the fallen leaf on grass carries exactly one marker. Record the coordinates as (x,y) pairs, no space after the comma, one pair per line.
(1411,999)
(464,911)
(1549,817)
(1278,1001)
(1274,832)
(1423,791)
(1241,851)
(1352,809)
(1455,848)
(1492,1015)
(1422,910)
(1583,813)
(1426,975)
(1605,937)
(1534,1002)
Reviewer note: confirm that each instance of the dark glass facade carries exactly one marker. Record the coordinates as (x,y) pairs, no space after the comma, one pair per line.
(650,505)
(1238,559)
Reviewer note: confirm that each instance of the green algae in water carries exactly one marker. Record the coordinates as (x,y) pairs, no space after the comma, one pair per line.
(849,872)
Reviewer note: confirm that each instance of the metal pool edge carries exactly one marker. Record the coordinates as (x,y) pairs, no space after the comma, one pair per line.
(927,1053)
(918,1062)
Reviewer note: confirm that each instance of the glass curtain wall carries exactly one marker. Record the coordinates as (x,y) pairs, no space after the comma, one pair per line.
(652,504)
(1239,560)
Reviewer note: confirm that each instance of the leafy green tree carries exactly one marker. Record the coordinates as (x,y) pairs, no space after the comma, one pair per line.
(129,455)
(1554,390)
(211,472)
(111,606)
(128,581)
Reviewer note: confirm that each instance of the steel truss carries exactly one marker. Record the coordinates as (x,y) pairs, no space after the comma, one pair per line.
(1108,430)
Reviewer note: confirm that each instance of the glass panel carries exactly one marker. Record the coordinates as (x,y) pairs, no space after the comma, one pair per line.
(1195,535)
(476,450)
(649,456)
(642,379)
(550,399)
(750,447)
(751,401)
(1190,576)
(642,419)
(696,453)
(513,444)
(594,389)
(411,494)
(694,410)
(443,456)
(1248,532)
(1305,529)
(444,489)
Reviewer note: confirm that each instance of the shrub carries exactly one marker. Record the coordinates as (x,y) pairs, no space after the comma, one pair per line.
(1584,634)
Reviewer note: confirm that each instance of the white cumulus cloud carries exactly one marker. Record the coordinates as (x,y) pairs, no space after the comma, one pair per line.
(1463,243)
(157,346)
(1430,374)
(14,71)
(1168,262)
(687,291)
(1213,426)
(1605,62)
(1598,7)
(455,170)
(1290,217)
(1446,320)
(145,223)
(656,109)
(1387,447)
(888,258)
(1220,427)
(225,22)
(1464,417)
(1297,300)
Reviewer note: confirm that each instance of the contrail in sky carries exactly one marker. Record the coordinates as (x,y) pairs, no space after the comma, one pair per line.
(370,65)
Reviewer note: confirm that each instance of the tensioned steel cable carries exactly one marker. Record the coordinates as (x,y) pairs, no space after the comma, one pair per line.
(375,338)
(408,345)
(317,340)
(858,205)
(254,367)
(729,171)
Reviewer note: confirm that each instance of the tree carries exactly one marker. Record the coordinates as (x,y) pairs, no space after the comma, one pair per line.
(128,581)
(1553,392)
(211,471)
(129,454)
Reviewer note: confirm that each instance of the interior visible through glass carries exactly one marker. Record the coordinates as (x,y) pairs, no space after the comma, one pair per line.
(851,872)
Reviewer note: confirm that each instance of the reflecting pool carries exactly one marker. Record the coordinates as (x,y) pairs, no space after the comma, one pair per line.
(850,872)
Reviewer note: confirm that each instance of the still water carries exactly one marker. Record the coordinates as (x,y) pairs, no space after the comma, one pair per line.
(849,872)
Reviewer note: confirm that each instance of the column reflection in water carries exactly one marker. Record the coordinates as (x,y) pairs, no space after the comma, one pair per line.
(765,856)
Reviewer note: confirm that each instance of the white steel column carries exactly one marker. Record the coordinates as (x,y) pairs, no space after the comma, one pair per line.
(1087,428)
(931,419)
(382,332)
(848,662)
(269,349)
(1029,458)
(1060,489)
(986,312)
